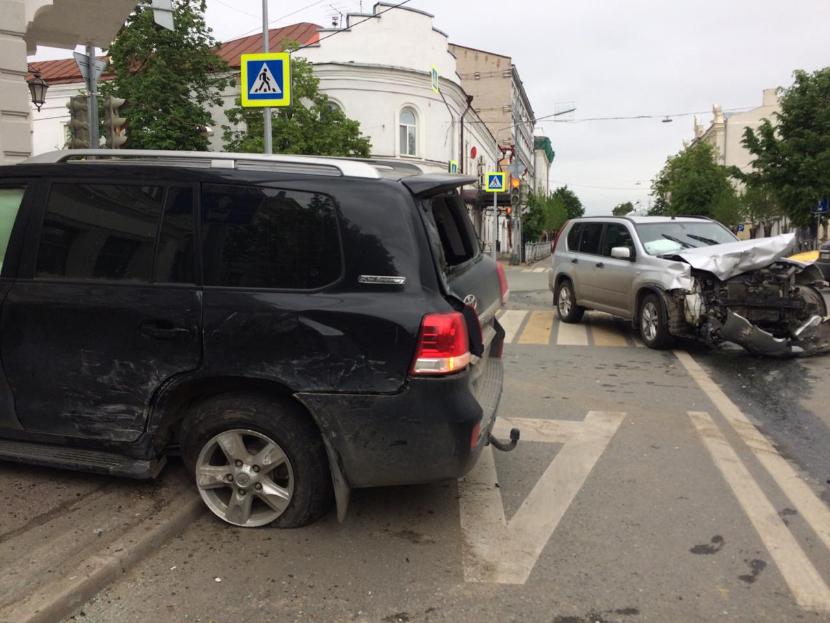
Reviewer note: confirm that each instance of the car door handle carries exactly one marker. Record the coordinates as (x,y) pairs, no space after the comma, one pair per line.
(600,264)
(164,330)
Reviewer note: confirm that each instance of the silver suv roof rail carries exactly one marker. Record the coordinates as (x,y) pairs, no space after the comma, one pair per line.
(315,165)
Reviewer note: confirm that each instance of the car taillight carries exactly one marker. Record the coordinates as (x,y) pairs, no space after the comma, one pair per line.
(505,289)
(443,345)
(556,238)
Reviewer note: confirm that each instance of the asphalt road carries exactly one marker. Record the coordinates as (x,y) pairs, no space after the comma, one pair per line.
(686,485)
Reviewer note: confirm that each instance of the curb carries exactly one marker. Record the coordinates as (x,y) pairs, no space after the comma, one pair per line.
(58,600)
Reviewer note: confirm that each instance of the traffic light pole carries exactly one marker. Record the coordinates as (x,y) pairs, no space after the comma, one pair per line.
(92,90)
(266,112)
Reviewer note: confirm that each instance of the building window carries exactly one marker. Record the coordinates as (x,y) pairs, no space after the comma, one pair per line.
(408,132)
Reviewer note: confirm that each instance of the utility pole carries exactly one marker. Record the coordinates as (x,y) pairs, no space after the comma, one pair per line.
(266,111)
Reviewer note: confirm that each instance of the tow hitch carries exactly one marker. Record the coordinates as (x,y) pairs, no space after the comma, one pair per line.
(505,446)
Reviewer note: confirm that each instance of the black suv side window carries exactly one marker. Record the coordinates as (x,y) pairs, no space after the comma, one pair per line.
(573,237)
(99,231)
(591,235)
(260,237)
(617,235)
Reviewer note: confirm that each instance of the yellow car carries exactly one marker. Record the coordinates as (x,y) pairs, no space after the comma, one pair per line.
(805,257)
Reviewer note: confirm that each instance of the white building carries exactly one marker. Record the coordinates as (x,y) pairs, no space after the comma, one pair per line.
(379,73)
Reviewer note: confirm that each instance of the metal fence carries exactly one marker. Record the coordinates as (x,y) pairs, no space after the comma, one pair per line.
(535,251)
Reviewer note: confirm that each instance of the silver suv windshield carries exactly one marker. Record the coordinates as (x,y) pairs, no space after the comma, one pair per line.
(674,236)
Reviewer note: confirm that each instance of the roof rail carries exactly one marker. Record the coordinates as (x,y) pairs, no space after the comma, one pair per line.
(700,216)
(316,165)
(389,167)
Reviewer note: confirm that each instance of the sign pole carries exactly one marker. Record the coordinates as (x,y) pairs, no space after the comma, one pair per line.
(495,224)
(266,112)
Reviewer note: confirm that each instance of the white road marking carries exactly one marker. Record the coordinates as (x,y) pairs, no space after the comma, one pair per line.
(497,550)
(812,509)
(510,322)
(540,269)
(572,334)
(805,583)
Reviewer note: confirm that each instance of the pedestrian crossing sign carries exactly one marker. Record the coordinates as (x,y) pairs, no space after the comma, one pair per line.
(494,182)
(266,79)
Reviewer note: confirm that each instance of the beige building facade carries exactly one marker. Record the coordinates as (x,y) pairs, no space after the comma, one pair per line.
(726,131)
(500,100)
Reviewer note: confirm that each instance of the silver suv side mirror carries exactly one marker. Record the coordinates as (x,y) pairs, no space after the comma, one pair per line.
(621,253)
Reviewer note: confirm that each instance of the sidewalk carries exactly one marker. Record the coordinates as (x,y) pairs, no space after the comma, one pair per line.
(65,536)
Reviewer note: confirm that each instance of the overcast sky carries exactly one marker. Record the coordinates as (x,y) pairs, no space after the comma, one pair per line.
(608,58)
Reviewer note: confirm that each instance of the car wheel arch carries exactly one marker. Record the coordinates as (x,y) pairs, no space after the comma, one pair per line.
(559,279)
(172,404)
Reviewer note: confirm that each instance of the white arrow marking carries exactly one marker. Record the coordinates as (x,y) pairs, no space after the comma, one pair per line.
(497,550)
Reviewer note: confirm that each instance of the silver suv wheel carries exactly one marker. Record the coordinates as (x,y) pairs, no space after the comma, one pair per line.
(565,301)
(244,478)
(649,318)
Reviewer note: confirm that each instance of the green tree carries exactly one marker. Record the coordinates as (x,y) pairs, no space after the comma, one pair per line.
(533,219)
(311,125)
(792,156)
(573,206)
(692,183)
(761,206)
(556,212)
(621,209)
(169,78)
(544,215)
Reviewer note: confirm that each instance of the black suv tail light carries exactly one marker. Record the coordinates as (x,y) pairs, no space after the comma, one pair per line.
(443,345)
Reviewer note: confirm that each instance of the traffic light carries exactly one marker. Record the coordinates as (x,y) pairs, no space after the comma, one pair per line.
(114,124)
(515,195)
(524,193)
(78,122)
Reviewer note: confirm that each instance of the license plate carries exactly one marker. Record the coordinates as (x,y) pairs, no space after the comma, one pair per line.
(824,255)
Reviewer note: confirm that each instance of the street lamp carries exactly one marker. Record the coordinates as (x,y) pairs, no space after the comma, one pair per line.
(37,87)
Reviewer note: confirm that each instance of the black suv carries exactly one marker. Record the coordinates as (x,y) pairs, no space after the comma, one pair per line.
(296,326)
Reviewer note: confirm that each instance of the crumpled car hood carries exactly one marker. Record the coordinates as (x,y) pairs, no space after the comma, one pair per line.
(734,258)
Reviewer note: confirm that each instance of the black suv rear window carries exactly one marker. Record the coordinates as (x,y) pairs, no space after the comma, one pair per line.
(454,229)
(260,237)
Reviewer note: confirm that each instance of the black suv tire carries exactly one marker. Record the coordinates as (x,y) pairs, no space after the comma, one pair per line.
(565,301)
(258,421)
(653,323)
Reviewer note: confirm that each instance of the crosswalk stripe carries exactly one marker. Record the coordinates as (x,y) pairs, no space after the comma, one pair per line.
(572,335)
(603,336)
(541,269)
(510,322)
(538,328)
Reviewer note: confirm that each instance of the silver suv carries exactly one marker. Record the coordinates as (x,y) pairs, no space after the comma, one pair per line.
(690,276)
